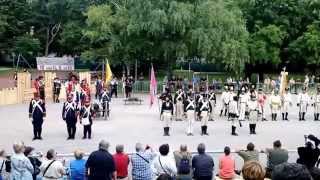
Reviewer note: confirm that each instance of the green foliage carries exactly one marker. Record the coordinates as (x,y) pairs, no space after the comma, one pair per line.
(27,45)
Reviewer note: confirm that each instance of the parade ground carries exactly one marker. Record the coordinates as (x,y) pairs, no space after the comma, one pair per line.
(140,123)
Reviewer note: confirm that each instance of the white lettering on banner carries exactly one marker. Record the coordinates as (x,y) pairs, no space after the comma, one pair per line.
(55,63)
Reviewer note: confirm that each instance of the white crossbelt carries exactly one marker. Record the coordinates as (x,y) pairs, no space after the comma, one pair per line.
(35,104)
(204,105)
(69,106)
(211,97)
(180,95)
(191,104)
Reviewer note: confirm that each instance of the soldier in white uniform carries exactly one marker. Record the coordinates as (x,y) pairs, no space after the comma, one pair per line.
(178,102)
(253,113)
(166,115)
(189,109)
(303,103)
(243,103)
(225,101)
(316,104)
(286,103)
(275,104)
(204,113)
(233,115)
(213,102)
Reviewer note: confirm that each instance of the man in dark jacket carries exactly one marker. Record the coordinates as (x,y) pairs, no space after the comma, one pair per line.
(309,154)
(100,164)
(202,164)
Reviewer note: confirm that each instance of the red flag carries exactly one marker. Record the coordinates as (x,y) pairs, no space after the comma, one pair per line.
(153,86)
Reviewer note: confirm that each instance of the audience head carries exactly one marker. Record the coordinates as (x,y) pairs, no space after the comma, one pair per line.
(103,145)
(119,148)
(252,170)
(277,144)
(183,148)
(18,147)
(139,147)
(2,152)
(250,147)
(227,151)
(78,154)
(51,154)
(164,149)
(291,171)
(201,148)
(28,150)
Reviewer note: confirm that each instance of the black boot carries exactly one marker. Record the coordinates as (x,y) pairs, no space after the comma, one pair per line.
(225,112)
(283,117)
(275,117)
(206,130)
(164,131)
(202,130)
(272,117)
(286,117)
(317,116)
(233,129)
(250,127)
(254,128)
(221,112)
(168,129)
(300,116)
(303,114)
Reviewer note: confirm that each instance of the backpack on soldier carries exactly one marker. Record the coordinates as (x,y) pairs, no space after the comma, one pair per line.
(184,166)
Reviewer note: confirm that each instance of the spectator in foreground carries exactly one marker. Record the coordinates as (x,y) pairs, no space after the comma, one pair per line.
(22,167)
(250,154)
(252,170)
(183,160)
(275,156)
(3,159)
(51,168)
(226,165)
(121,161)
(164,165)
(141,163)
(291,171)
(36,163)
(100,164)
(77,166)
(202,164)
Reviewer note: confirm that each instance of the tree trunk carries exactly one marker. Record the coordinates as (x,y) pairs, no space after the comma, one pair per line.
(47,43)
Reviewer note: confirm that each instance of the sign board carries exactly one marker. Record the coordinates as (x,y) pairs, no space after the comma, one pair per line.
(55,63)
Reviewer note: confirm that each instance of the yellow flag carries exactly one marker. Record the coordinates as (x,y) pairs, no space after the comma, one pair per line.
(108,72)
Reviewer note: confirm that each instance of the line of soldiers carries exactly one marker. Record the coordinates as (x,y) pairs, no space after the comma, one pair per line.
(187,105)
(248,104)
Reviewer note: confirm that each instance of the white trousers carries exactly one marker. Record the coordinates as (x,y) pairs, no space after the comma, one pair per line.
(166,117)
(253,117)
(179,110)
(285,107)
(190,121)
(303,107)
(204,118)
(212,106)
(317,107)
(242,111)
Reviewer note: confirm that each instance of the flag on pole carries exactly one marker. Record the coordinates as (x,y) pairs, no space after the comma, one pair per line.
(108,72)
(153,86)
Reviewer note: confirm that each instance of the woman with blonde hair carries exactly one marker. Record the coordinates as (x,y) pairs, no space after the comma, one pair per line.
(21,167)
(252,170)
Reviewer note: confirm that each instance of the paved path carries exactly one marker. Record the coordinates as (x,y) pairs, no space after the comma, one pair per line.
(140,123)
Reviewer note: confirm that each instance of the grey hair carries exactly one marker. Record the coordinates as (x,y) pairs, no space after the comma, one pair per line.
(183,148)
(201,148)
(18,147)
(119,148)
(139,147)
(104,145)
(78,154)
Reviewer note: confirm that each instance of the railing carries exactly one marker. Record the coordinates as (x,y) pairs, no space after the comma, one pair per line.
(144,86)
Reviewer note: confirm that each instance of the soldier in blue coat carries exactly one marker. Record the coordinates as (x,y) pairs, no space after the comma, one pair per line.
(69,115)
(37,113)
